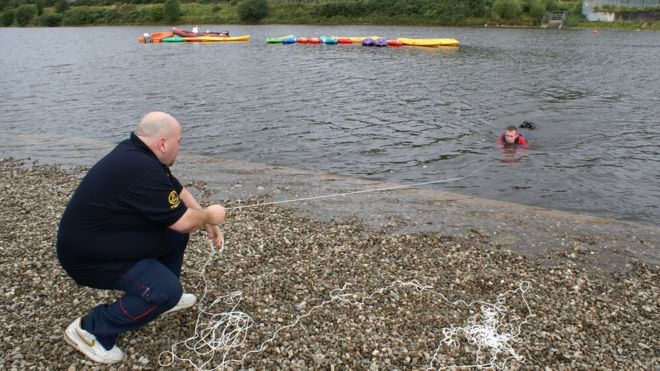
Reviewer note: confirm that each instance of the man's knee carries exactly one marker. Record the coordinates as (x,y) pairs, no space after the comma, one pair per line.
(154,282)
(172,291)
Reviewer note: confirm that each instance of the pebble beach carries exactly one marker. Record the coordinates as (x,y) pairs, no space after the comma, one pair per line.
(334,294)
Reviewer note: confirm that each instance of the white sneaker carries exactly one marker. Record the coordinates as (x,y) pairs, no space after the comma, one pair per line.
(186,301)
(87,344)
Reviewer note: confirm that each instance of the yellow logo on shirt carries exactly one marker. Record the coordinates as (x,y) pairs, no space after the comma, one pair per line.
(173,199)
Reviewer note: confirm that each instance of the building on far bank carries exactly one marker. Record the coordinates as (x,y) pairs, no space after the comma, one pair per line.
(634,10)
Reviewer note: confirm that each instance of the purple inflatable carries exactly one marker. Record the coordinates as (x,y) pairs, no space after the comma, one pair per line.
(368,41)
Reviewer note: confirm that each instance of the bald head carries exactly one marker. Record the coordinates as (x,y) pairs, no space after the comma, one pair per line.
(154,125)
(161,133)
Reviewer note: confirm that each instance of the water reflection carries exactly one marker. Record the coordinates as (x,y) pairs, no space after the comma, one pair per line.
(512,153)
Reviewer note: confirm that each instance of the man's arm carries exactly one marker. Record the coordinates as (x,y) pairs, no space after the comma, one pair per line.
(197,217)
(188,199)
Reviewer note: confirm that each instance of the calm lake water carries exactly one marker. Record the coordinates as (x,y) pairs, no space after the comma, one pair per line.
(401,115)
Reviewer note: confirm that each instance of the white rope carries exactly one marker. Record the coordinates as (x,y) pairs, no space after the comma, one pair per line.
(221,333)
(217,334)
(392,188)
(486,330)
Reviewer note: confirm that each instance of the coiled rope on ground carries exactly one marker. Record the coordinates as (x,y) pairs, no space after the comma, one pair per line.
(221,328)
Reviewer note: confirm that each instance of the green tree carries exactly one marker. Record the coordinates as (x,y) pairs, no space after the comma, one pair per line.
(536,8)
(506,9)
(25,14)
(8,17)
(551,5)
(157,13)
(61,6)
(577,8)
(448,11)
(478,8)
(253,10)
(40,6)
(52,20)
(171,10)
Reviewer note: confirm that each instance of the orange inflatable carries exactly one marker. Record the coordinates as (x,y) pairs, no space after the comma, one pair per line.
(157,37)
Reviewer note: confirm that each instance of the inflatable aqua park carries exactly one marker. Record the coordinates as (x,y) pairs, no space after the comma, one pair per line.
(375,41)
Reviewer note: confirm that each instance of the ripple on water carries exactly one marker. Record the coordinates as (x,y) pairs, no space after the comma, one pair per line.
(398,114)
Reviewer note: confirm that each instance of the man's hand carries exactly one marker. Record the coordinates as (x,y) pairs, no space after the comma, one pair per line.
(215,214)
(214,234)
(195,219)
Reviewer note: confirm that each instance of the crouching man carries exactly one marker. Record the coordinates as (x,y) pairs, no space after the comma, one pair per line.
(126,228)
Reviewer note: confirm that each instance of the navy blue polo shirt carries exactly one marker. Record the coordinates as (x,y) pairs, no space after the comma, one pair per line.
(119,214)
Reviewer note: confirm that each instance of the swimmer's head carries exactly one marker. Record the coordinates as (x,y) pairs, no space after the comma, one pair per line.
(510,134)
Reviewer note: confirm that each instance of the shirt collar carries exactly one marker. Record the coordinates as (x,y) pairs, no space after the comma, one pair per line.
(137,142)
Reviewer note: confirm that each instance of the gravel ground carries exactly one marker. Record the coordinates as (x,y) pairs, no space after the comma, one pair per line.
(286,266)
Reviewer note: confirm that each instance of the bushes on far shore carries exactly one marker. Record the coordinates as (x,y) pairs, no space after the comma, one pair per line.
(506,9)
(171,11)
(25,14)
(442,11)
(8,17)
(54,13)
(51,20)
(252,11)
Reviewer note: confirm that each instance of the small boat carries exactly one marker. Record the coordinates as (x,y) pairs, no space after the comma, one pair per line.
(183,33)
(174,39)
(344,40)
(328,40)
(394,43)
(428,42)
(381,41)
(201,39)
(277,40)
(206,39)
(302,40)
(314,40)
(368,41)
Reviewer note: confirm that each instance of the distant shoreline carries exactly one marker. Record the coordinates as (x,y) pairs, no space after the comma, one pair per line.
(152,14)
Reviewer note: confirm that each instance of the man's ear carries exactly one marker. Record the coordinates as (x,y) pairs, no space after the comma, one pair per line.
(161,144)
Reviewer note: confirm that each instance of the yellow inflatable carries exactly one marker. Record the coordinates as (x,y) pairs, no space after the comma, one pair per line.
(217,38)
(428,42)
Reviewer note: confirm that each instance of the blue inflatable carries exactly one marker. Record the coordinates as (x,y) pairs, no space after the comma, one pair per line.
(368,41)
(328,40)
(381,41)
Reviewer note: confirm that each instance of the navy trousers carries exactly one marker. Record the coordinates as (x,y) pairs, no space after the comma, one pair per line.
(151,286)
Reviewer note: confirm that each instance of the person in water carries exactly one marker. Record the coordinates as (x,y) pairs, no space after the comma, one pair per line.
(513,144)
(511,136)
